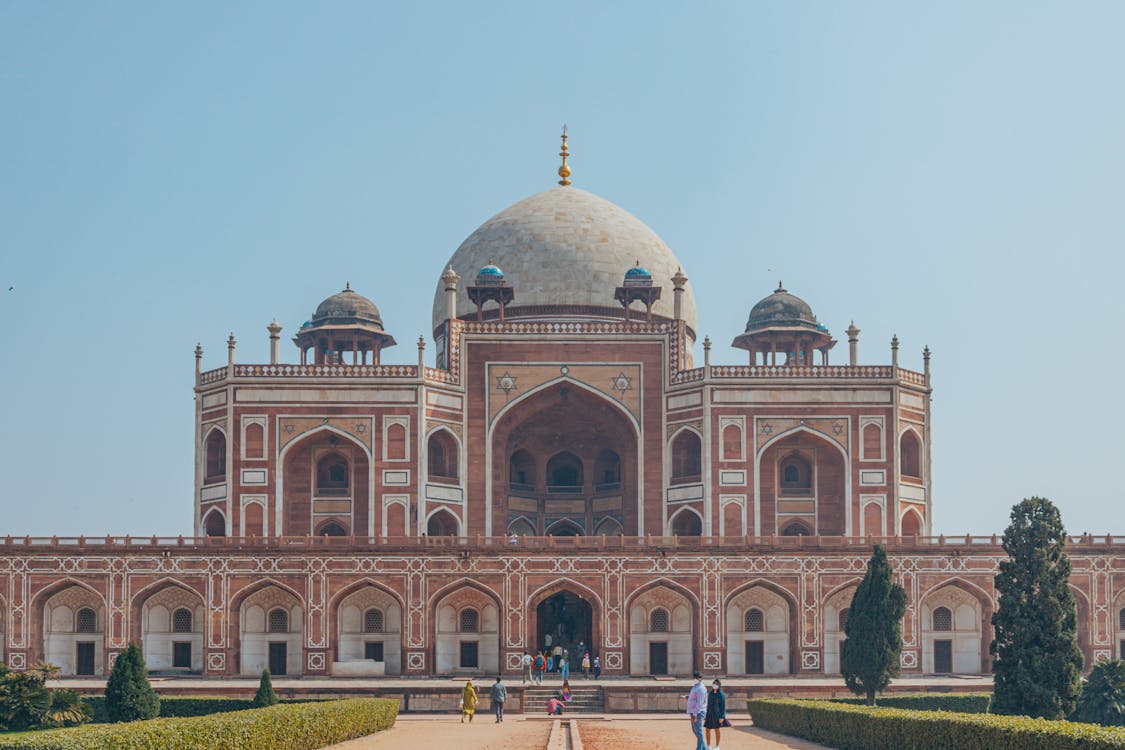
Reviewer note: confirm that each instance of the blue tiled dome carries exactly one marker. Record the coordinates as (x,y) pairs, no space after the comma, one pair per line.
(637,271)
(490,270)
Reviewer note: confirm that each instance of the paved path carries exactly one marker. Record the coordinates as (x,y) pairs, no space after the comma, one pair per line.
(657,732)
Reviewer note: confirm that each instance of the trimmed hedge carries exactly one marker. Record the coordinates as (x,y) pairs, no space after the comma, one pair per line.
(961,703)
(185,707)
(861,728)
(303,726)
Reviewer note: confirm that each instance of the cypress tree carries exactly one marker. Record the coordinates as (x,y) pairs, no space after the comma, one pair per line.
(1038,665)
(869,657)
(128,694)
(265,695)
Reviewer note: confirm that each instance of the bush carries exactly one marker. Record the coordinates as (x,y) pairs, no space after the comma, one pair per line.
(963,703)
(26,703)
(301,726)
(128,694)
(265,695)
(863,728)
(1102,700)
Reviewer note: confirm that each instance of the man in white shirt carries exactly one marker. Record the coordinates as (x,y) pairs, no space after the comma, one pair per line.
(526,663)
(696,708)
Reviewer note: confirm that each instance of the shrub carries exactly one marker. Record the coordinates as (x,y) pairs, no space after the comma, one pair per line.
(265,695)
(26,703)
(964,703)
(864,728)
(299,726)
(1102,700)
(177,707)
(128,694)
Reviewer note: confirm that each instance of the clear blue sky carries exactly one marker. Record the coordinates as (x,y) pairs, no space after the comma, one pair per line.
(171,172)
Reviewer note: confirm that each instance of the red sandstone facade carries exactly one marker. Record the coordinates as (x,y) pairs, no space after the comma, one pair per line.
(564,470)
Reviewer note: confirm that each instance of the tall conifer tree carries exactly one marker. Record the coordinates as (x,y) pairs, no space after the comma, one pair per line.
(1038,664)
(869,657)
(128,694)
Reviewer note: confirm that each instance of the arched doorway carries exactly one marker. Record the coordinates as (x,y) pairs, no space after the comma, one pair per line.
(565,454)
(565,619)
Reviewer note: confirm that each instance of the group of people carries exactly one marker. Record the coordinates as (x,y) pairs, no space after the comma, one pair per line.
(707,711)
(534,667)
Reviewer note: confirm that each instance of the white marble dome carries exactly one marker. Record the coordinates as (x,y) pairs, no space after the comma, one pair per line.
(565,247)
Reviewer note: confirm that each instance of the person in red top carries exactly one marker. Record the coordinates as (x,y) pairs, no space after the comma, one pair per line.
(540,667)
(554,707)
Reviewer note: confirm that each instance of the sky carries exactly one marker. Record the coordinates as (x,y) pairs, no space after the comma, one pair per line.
(172,172)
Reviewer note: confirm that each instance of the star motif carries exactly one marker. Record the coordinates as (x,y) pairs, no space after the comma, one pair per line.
(289,429)
(506,383)
(622,383)
(767,428)
(361,428)
(837,428)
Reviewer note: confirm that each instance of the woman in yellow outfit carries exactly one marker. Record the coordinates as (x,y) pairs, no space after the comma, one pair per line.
(468,702)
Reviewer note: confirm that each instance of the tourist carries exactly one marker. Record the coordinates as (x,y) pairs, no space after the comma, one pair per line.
(468,702)
(550,662)
(526,663)
(597,667)
(558,652)
(696,707)
(586,665)
(564,666)
(499,695)
(716,716)
(554,707)
(563,693)
(540,667)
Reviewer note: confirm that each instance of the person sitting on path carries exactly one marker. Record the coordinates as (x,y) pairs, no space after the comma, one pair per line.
(468,702)
(499,694)
(554,707)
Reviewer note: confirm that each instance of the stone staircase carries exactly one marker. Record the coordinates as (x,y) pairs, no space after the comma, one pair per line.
(584,698)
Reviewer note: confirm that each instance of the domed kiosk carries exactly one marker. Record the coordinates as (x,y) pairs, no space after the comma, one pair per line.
(784,323)
(344,323)
(563,252)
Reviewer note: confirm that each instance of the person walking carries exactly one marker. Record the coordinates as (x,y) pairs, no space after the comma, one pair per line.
(586,665)
(526,662)
(468,701)
(696,708)
(540,667)
(597,667)
(716,714)
(498,695)
(564,666)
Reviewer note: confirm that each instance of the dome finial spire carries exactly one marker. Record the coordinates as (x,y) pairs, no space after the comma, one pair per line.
(564,170)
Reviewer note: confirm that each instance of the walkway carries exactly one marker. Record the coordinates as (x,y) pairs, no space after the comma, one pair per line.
(657,732)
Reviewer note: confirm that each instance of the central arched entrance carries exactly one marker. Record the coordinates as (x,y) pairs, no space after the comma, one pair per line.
(565,617)
(564,463)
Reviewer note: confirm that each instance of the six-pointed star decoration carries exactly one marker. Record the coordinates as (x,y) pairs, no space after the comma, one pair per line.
(506,383)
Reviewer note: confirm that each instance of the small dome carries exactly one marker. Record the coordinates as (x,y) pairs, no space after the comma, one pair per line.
(490,270)
(637,271)
(782,309)
(347,307)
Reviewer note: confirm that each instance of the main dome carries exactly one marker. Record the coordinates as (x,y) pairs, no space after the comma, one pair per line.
(565,248)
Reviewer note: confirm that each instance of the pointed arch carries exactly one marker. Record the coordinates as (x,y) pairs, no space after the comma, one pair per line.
(911,523)
(817,434)
(279,470)
(462,583)
(443,522)
(680,524)
(214,523)
(685,456)
(443,455)
(240,597)
(215,455)
(349,636)
(521,526)
(568,381)
(910,452)
(564,524)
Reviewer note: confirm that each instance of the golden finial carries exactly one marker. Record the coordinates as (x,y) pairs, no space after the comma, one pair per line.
(564,170)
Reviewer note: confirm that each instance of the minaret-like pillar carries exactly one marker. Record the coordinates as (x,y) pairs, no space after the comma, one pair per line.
(198,361)
(678,282)
(707,351)
(894,353)
(926,367)
(275,340)
(853,344)
(230,349)
(421,355)
(450,279)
